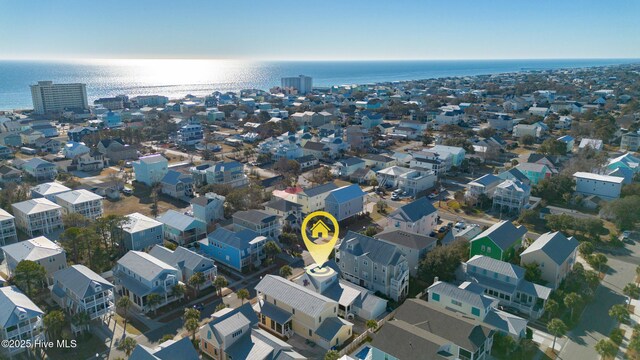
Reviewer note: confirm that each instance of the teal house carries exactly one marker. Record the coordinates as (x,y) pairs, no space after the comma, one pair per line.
(534,172)
(500,241)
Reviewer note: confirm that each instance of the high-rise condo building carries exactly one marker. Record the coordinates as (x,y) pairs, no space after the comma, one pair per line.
(301,83)
(49,97)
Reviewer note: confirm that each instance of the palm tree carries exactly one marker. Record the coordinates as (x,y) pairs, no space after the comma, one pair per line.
(220,282)
(124,303)
(127,345)
(54,322)
(332,355)
(192,326)
(242,294)
(286,271)
(272,249)
(153,300)
(551,308)
(196,280)
(372,324)
(619,313)
(191,313)
(557,328)
(606,348)
(571,301)
(81,320)
(178,290)
(632,291)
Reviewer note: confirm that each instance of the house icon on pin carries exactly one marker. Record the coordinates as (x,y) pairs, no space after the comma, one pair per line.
(319,229)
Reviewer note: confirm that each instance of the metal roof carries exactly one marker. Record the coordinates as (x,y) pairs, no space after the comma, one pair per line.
(12,303)
(504,234)
(555,245)
(294,295)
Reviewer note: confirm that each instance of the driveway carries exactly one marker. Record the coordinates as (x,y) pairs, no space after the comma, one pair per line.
(595,323)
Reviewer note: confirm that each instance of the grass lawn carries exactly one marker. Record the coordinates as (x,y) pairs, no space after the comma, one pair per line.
(87,346)
(133,327)
(341,183)
(376,215)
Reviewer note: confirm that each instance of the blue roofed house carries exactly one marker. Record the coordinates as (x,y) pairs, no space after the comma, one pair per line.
(227,173)
(569,140)
(555,255)
(11,139)
(418,216)
(78,289)
(370,120)
(40,169)
(626,160)
(180,228)
(345,202)
(235,334)
(150,169)
(235,249)
(140,232)
(5,152)
(500,241)
(138,274)
(484,185)
(373,264)
(168,350)
(262,222)
(188,262)
(20,319)
(177,185)
(506,282)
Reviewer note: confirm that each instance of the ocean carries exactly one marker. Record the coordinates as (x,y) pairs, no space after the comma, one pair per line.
(177,78)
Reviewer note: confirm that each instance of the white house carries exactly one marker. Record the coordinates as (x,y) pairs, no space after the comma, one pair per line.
(151,169)
(418,216)
(7,228)
(82,202)
(38,216)
(40,250)
(555,255)
(605,186)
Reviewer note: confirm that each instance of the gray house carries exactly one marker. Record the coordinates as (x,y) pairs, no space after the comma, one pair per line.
(373,264)
(414,246)
(345,202)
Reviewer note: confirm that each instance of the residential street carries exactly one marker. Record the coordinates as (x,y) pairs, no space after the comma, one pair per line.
(595,322)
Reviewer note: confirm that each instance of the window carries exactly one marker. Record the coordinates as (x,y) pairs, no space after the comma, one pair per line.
(293,311)
(483,248)
(435,297)
(489,250)
(475,311)
(310,333)
(456,302)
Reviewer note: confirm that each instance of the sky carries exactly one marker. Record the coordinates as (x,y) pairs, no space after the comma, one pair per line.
(319,30)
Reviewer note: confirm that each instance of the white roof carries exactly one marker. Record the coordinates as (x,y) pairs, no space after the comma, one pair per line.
(34,249)
(598,177)
(144,265)
(35,206)
(4,215)
(78,196)
(50,188)
(138,222)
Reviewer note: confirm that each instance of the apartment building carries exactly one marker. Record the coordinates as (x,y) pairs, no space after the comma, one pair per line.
(38,217)
(82,202)
(54,98)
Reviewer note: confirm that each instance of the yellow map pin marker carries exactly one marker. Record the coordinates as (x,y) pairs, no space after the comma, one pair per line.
(319,230)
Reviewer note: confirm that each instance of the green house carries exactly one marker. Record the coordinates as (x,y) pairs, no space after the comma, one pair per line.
(500,241)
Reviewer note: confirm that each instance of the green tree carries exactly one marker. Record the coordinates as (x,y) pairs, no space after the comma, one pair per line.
(178,290)
(196,280)
(572,300)
(606,348)
(632,290)
(242,294)
(153,300)
(124,303)
(272,249)
(533,273)
(556,328)
(166,337)
(551,308)
(619,313)
(332,355)
(221,306)
(286,271)
(81,320)
(127,345)
(528,140)
(585,249)
(625,212)
(29,276)
(220,282)
(370,231)
(553,146)
(443,261)
(192,325)
(191,313)
(597,260)
(53,323)
(372,324)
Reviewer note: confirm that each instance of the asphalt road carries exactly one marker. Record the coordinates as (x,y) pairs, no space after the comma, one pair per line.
(595,322)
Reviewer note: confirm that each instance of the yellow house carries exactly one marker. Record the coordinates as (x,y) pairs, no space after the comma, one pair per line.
(320,229)
(285,308)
